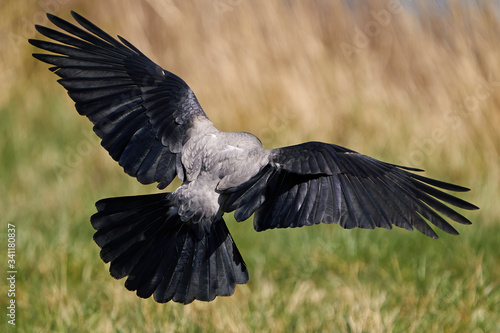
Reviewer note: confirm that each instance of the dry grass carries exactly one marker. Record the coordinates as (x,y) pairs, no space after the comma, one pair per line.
(421,90)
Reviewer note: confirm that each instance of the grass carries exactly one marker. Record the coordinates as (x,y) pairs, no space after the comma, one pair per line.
(420,90)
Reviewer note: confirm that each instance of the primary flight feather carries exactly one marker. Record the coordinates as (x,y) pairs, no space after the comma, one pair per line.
(175,245)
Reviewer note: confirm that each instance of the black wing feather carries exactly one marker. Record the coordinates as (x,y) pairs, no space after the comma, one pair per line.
(140,111)
(317,182)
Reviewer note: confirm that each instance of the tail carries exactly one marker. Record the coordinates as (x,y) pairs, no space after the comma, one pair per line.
(145,239)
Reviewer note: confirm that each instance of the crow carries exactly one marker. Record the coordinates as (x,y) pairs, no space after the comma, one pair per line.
(176,245)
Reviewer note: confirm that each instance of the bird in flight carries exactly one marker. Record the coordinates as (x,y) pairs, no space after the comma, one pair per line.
(176,245)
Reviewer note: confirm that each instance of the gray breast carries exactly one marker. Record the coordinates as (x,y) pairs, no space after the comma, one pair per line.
(229,159)
(213,161)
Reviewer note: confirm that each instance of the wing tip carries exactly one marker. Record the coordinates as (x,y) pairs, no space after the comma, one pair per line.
(409,168)
(50,16)
(471,206)
(33,41)
(55,19)
(39,28)
(75,15)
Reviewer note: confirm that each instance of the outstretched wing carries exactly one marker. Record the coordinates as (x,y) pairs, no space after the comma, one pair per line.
(317,182)
(140,111)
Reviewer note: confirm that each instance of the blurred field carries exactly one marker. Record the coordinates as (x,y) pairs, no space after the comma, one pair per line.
(420,90)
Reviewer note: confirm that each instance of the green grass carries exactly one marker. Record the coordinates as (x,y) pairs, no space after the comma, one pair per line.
(315,278)
(323,278)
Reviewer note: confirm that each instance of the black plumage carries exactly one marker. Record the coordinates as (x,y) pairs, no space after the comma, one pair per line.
(176,245)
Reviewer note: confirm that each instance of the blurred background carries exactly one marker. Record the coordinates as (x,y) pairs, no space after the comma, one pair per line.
(415,83)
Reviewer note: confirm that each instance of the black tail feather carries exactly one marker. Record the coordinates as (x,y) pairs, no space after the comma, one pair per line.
(145,239)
